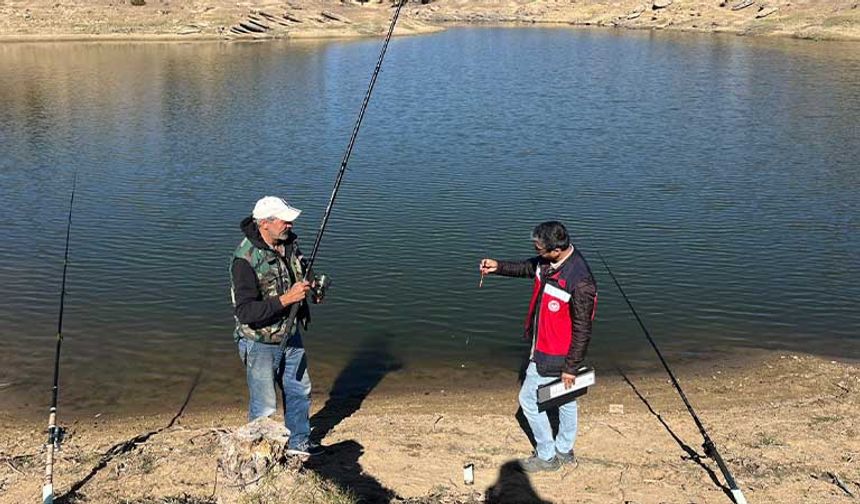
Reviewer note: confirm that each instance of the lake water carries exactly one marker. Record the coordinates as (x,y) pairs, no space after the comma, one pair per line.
(718,175)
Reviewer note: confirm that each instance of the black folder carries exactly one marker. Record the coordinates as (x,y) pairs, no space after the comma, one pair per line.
(553,394)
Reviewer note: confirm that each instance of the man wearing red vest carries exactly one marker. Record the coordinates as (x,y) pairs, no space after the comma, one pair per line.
(558,324)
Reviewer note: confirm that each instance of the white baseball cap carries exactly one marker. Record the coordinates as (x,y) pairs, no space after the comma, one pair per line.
(272,206)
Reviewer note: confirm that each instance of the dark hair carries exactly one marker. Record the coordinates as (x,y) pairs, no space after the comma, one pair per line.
(552,235)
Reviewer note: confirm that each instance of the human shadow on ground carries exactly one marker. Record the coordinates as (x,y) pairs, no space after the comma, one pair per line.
(691,453)
(354,383)
(513,485)
(74,495)
(339,464)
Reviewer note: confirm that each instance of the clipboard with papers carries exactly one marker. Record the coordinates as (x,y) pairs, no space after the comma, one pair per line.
(553,394)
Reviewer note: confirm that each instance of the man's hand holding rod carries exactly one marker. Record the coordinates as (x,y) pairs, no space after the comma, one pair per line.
(296,293)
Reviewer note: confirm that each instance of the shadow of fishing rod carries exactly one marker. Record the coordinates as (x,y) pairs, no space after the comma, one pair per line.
(710,448)
(125,447)
(691,453)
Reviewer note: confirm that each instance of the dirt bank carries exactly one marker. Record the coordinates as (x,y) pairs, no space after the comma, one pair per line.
(786,425)
(253,19)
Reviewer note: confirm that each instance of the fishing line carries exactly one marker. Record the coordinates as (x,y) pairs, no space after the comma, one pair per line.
(343,164)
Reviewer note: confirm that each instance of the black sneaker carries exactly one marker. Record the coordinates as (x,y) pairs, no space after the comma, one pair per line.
(568,458)
(306,449)
(535,464)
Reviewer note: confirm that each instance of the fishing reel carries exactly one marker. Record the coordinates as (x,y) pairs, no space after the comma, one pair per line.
(319,287)
(56,436)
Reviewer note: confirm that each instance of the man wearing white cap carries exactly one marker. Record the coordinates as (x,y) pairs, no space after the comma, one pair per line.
(266,280)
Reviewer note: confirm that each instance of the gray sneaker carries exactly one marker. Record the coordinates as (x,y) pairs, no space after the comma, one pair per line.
(567,458)
(535,464)
(306,449)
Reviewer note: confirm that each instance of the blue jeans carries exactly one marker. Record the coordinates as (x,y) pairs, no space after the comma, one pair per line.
(539,422)
(295,386)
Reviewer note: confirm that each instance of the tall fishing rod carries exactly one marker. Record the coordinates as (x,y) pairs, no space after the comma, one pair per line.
(708,445)
(295,308)
(55,433)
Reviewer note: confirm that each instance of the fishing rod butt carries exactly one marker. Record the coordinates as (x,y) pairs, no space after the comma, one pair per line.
(48,494)
(738,496)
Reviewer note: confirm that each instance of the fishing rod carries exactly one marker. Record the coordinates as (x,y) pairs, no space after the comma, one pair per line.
(709,446)
(295,308)
(55,433)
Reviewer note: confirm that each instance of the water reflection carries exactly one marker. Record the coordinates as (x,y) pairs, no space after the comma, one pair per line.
(716,174)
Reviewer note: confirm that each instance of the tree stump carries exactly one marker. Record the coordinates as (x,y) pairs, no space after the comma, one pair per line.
(251,451)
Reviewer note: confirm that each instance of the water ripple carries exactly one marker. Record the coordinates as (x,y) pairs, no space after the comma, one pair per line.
(717,176)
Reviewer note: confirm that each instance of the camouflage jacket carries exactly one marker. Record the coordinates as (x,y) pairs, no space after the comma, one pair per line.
(258,276)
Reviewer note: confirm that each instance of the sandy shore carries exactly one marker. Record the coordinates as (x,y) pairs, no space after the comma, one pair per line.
(28,20)
(786,425)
